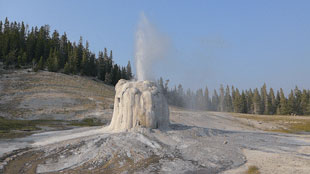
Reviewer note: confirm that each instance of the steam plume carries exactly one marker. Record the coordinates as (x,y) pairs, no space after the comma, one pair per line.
(150,46)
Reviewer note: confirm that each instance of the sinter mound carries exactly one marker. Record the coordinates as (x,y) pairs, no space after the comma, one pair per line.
(139,104)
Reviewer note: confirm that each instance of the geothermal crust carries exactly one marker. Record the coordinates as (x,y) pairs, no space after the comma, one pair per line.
(139,104)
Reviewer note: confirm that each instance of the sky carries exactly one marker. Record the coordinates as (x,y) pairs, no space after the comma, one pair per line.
(241,43)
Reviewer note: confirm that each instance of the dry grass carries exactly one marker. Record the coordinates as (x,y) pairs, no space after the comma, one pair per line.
(285,124)
(253,170)
(21,87)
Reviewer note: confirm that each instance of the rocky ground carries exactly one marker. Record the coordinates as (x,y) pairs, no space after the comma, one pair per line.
(196,142)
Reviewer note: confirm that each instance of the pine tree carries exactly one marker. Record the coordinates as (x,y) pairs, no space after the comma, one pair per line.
(115,74)
(111,55)
(307,108)
(41,64)
(73,59)
(278,98)
(67,68)
(249,101)
(200,99)
(1,40)
(283,108)
(124,73)
(92,65)
(161,83)
(215,101)
(297,101)
(243,103)
(304,102)
(291,107)
(233,93)
(20,61)
(101,66)
(180,96)
(221,99)
(22,39)
(79,55)
(128,69)
(52,61)
(85,63)
(63,50)
(265,100)
(207,99)
(239,102)
(11,58)
(273,103)
(228,100)
(108,78)
(257,102)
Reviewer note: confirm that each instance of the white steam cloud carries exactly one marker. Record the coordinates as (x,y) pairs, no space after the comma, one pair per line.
(150,47)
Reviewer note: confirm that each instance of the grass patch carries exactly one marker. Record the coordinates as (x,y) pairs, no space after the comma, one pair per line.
(88,122)
(16,128)
(7,125)
(288,124)
(20,128)
(252,170)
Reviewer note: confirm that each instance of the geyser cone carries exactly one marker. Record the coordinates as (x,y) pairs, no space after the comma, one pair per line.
(139,104)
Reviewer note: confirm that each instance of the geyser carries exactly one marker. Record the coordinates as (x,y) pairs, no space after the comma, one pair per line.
(139,104)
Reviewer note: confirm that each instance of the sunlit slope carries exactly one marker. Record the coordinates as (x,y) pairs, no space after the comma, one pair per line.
(47,95)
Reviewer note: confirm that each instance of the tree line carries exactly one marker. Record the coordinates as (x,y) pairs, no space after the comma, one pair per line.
(231,99)
(23,47)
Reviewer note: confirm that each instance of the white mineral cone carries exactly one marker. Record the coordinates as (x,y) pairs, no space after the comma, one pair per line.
(139,104)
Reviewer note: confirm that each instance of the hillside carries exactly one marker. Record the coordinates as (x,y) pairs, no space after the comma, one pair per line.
(47,95)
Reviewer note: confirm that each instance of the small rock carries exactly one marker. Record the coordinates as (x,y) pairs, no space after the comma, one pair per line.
(128,154)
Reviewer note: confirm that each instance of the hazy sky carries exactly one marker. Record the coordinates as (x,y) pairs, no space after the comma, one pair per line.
(241,43)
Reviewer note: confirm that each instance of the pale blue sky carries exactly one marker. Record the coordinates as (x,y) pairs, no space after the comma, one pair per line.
(242,43)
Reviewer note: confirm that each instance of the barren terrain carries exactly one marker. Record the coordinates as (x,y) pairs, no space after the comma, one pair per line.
(196,142)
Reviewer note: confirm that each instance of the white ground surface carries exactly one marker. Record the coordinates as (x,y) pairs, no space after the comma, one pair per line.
(197,142)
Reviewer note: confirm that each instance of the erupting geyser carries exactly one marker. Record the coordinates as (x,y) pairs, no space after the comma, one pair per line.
(139,104)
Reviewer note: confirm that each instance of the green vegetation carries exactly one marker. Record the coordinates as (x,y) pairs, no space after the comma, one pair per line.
(36,48)
(253,170)
(246,101)
(296,124)
(87,122)
(7,125)
(19,128)
(16,128)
